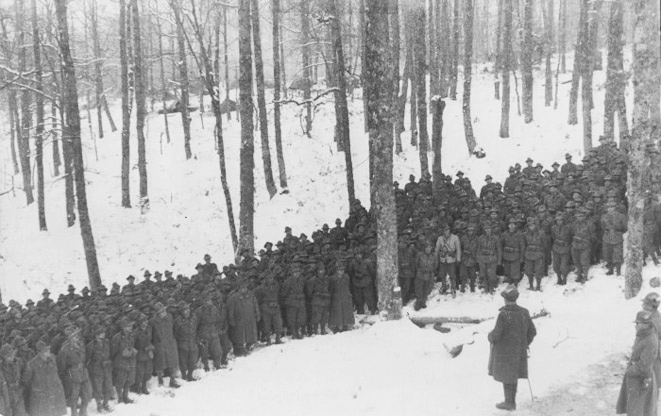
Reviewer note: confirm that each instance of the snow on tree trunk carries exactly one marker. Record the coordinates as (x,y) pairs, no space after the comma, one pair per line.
(282,173)
(506,60)
(421,86)
(644,133)
(468,73)
(380,122)
(126,111)
(526,61)
(498,62)
(72,120)
(562,35)
(395,47)
(247,176)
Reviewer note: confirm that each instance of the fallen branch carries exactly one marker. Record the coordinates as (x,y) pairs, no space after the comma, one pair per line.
(427,320)
(308,101)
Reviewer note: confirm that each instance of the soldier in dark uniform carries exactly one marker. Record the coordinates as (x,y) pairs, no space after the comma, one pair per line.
(582,232)
(406,265)
(513,249)
(46,303)
(123,355)
(208,268)
(71,367)
(267,297)
(568,167)
(534,254)
(185,332)
(561,246)
(468,265)
(614,225)
(510,340)
(489,256)
(99,367)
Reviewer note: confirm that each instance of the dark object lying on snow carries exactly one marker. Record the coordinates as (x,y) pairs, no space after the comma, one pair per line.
(175,108)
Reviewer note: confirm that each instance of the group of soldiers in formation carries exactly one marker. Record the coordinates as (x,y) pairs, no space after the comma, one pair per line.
(104,344)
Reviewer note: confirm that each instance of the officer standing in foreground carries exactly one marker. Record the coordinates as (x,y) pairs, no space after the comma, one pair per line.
(510,340)
(639,394)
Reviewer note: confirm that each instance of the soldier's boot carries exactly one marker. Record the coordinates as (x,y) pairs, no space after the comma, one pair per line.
(125,396)
(143,388)
(268,340)
(538,286)
(120,399)
(530,283)
(610,269)
(160,380)
(74,409)
(507,404)
(173,383)
(618,269)
(106,406)
(99,407)
(655,259)
(278,340)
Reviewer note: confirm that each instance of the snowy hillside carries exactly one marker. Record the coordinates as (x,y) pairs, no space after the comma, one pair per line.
(392,368)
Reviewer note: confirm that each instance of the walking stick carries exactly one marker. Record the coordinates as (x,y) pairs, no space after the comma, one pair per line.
(532,397)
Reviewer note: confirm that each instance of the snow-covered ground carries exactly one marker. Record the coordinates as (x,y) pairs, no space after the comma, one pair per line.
(389,368)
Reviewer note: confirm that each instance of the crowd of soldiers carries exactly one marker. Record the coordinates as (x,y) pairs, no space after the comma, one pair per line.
(104,344)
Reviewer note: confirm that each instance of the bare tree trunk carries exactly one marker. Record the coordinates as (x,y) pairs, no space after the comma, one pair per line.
(72,121)
(98,75)
(437,107)
(468,73)
(341,107)
(13,132)
(275,8)
(283,66)
(57,162)
(380,121)
(421,89)
(140,110)
(164,83)
(614,70)
(247,207)
(497,67)
(126,111)
(586,90)
(183,75)
(225,58)
(563,35)
(526,61)
(445,48)
(579,62)
(506,59)
(396,50)
(434,47)
(549,49)
(305,51)
(363,63)
(39,128)
(644,133)
(454,61)
(26,115)
(261,100)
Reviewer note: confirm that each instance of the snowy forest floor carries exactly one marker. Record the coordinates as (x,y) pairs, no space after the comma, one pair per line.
(389,368)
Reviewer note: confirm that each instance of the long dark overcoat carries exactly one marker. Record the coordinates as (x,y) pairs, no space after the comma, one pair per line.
(243,314)
(510,339)
(166,354)
(639,394)
(44,391)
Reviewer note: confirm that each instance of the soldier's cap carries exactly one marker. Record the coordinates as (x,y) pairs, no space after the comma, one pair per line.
(517,165)
(199,266)
(99,329)
(567,156)
(338,221)
(183,305)
(42,346)
(6,350)
(325,227)
(539,165)
(488,178)
(71,330)
(147,273)
(287,229)
(511,169)
(158,274)
(644,317)
(556,163)
(652,299)
(29,302)
(411,177)
(71,288)
(510,293)
(460,173)
(512,220)
(130,278)
(86,290)
(602,138)
(46,292)
(529,160)
(167,273)
(559,216)
(586,158)
(395,184)
(159,307)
